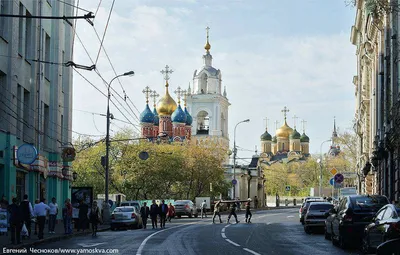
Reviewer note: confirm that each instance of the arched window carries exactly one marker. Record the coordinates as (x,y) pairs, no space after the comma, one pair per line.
(203,123)
(203,83)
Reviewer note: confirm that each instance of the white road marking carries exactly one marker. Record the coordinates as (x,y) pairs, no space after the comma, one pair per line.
(223,235)
(223,230)
(141,247)
(290,216)
(253,252)
(228,240)
(89,245)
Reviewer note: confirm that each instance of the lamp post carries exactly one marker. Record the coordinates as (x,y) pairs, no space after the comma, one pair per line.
(320,166)
(234,156)
(106,208)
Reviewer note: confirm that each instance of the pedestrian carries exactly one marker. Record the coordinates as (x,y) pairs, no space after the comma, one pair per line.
(82,216)
(154,213)
(163,213)
(15,221)
(144,213)
(203,208)
(255,202)
(171,212)
(217,208)
(67,216)
(37,201)
(3,202)
(248,212)
(27,214)
(237,204)
(233,212)
(53,215)
(41,211)
(94,217)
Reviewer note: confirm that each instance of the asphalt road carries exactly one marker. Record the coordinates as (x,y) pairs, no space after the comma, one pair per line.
(271,232)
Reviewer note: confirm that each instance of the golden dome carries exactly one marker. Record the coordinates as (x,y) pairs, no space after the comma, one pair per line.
(167,105)
(207,47)
(284,131)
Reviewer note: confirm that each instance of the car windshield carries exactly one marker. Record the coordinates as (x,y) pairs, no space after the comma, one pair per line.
(369,202)
(321,207)
(180,202)
(124,209)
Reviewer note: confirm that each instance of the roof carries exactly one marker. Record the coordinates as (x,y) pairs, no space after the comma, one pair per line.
(254,162)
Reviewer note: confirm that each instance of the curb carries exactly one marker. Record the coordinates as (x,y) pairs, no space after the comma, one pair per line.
(53,239)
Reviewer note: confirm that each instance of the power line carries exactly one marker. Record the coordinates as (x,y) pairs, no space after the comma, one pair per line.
(75,6)
(105,31)
(98,7)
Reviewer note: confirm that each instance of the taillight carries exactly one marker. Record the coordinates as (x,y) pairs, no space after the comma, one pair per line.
(396,226)
(187,206)
(133,216)
(348,218)
(112,217)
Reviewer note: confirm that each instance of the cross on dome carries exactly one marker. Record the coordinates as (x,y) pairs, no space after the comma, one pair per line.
(179,93)
(166,72)
(185,94)
(303,122)
(276,124)
(285,111)
(154,95)
(207,47)
(294,120)
(147,92)
(266,123)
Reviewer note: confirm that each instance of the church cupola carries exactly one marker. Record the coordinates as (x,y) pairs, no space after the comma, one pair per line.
(295,137)
(266,140)
(147,117)
(304,140)
(179,115)
(165,107)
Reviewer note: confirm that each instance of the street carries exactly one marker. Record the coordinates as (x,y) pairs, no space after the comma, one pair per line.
(271,232)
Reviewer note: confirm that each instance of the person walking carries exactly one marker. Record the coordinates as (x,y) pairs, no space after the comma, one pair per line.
(94,217)
(163,213)
(15,221)
(83,218)
(217,208)
(171,212)
(67,216)
(41,211)
(27,214)
(154,213)
(233,212)
(255,202)
(203,208)
(37,201)
(248,212)
(144,213)
(53,215)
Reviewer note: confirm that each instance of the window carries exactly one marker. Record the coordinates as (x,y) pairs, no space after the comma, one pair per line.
(20,29)
(3,20)
(46,126)
(380,215)
(388,214)
(3,111)
(47,57)
(20,114)
(28,36)
(20,185)
(26,113)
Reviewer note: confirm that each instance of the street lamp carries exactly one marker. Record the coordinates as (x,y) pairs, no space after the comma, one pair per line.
(234,156)
(106,209)
(320,166)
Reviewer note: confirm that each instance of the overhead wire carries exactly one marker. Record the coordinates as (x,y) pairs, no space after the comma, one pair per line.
(98,7)
(75,6)
(105,31)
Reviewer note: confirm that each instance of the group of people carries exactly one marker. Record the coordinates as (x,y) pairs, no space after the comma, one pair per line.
(232,211)
(163,211)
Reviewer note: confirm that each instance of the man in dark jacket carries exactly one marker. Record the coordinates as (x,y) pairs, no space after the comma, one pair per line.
(27,214)
(83,218)
(248,212)
(163,213)
(144,213)
(15,221)
(233,212)
(154,213)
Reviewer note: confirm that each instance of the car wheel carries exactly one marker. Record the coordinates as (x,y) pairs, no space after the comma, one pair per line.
(342,242)
(191,214)
(196,215)
(333,238)
(307,229)
(179,216)
(366,249)
(327,235)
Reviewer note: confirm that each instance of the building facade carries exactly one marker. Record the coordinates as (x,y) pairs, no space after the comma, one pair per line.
(36,98)
(375,34)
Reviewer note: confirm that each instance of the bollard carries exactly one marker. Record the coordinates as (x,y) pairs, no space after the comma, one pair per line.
(286,202)
(277,202)
(294,201)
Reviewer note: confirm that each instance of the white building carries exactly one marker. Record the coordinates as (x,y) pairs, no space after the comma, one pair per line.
(36,97)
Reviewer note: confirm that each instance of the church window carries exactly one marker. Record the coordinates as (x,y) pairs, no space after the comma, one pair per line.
(203,83)
(283,146)
(203,122)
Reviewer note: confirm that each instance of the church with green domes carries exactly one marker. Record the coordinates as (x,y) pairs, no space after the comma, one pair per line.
(286,145)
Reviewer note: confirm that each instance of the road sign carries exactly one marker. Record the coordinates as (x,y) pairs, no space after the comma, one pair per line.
(350,175)
(110,202)
(287,188)
(333,171)
(332,181)
(338,185)
(234,181)
(339,178)
(26,154)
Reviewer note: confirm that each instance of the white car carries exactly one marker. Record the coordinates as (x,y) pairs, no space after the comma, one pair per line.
(125,217)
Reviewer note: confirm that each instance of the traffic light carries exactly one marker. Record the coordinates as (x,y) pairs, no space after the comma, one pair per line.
(103,161)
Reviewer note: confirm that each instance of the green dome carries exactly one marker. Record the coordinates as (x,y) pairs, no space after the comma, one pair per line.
(295,135)
(274,139)
(304,138)
(266,136)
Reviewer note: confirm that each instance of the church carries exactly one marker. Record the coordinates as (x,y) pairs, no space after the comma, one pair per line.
(204,114)
(286,145)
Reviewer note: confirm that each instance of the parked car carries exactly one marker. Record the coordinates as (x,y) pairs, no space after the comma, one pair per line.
(134,203)
(316,214)
(125,216)
(390,247)
(385,226)
(185,207)
(353,214)
(304,207)
(328,222)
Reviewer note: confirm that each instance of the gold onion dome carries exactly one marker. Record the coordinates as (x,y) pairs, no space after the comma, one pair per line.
(166,105)
(284,131)
(207,47)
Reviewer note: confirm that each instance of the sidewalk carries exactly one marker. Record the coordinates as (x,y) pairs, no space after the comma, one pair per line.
(5,241)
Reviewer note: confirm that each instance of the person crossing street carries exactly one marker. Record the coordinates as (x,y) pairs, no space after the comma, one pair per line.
(217,208)
(203,208)
(233,212)
(248,212)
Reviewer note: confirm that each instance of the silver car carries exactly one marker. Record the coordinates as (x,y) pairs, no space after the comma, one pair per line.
(185,207)
(316,215)
(125,217)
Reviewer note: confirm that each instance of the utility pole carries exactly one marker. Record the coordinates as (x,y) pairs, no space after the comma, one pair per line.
(234,157)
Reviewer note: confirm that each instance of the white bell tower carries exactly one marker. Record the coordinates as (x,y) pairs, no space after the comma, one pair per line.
(206,104)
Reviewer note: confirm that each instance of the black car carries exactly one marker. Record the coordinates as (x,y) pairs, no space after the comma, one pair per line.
(385,226)
(328,222)
(390,247)
(304,208)
(316,214)
(353,214)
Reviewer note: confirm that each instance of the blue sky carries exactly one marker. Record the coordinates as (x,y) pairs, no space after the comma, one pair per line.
(294,53)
